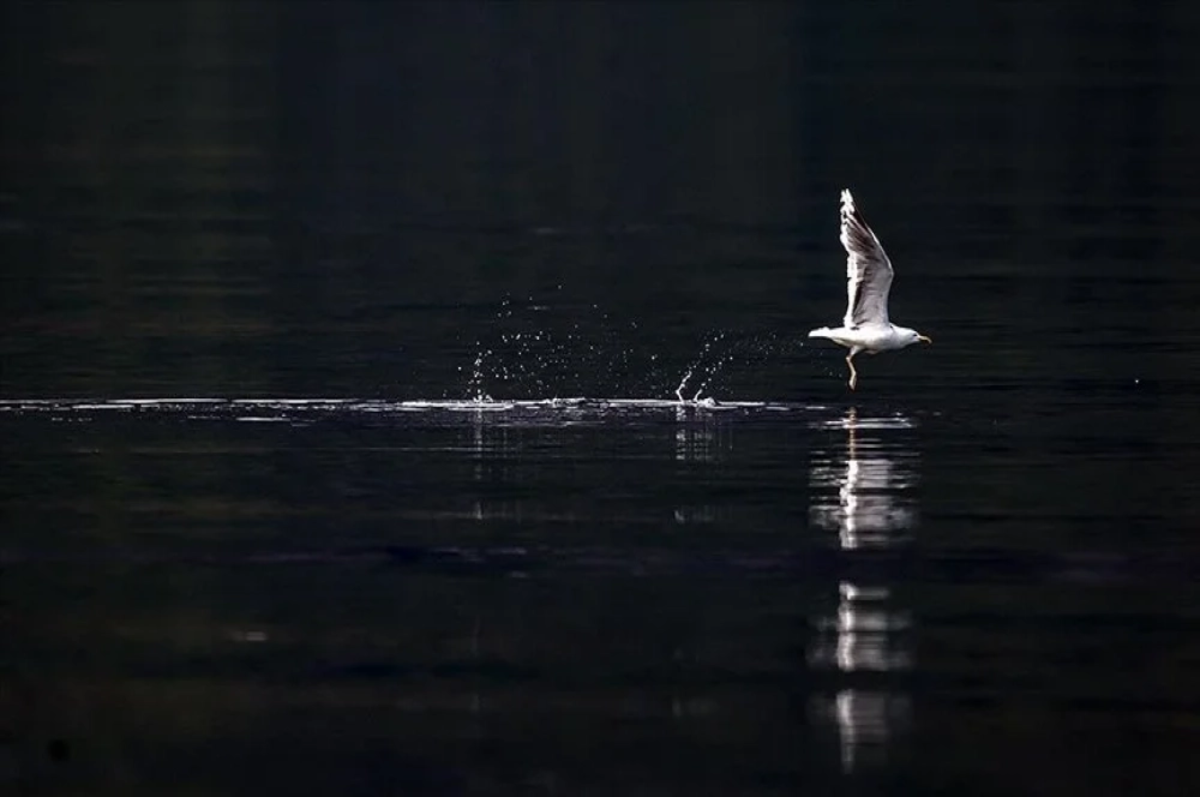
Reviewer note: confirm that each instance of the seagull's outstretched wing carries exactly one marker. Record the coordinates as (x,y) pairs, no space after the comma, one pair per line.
(868,270)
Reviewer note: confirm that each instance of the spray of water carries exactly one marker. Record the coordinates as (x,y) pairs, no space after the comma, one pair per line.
(720,351)
(699,364)
(475,389)
(593,354)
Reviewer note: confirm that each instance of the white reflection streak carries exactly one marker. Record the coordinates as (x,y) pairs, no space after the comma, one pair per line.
(695,436)
(867,632)
(477,450)
(867,513)
(489,446)
(698,438)
(866,720)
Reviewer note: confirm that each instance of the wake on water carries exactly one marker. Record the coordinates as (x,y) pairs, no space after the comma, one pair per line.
(597,356)
(591,367)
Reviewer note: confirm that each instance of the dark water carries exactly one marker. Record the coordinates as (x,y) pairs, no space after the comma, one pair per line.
(593,596)
(339,362)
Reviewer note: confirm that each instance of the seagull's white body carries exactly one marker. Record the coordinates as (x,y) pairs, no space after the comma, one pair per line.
(869,273)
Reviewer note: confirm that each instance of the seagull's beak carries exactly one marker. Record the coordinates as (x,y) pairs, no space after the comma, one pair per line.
(924,339)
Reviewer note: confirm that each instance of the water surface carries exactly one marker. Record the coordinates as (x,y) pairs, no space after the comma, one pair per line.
(414,398)
(476,596)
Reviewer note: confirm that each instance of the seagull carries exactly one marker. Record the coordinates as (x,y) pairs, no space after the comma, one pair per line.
(868,281)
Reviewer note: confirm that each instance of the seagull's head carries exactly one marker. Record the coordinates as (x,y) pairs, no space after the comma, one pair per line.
(911,336)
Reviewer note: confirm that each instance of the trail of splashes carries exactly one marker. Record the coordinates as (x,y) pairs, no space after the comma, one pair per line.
(746,350)
(697,363)
(592,354)
(475,388)
(527,358)
(727,357)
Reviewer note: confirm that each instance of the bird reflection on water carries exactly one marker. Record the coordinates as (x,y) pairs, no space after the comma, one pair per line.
(864,494)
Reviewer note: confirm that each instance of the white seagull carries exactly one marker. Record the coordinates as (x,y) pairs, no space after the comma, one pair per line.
(868,281)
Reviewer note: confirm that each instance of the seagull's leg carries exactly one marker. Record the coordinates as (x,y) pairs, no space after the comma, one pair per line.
(853,373)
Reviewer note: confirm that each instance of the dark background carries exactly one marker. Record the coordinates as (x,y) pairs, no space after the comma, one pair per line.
(269,198)
(414,203)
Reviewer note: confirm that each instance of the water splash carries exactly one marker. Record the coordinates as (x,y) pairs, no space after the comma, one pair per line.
(543,349)
(587,353)
(696,364)
(719,352)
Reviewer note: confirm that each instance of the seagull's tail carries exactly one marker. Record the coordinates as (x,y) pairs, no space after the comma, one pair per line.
(823,332)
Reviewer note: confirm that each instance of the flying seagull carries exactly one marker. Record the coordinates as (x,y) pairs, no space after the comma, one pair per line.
(868,281)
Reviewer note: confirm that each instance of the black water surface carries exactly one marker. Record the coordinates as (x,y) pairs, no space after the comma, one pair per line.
(340,446)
